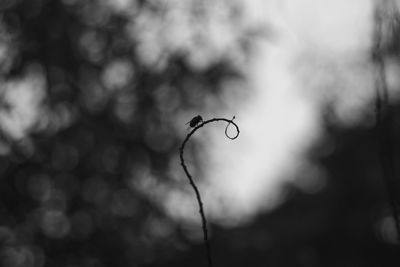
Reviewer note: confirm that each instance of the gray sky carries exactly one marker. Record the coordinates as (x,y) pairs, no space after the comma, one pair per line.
(319,53)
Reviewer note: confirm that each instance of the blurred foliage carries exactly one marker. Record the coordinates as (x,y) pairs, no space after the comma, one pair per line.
(91,93)
(92,96)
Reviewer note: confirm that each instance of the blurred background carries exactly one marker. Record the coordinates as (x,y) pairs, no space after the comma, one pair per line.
(94,97)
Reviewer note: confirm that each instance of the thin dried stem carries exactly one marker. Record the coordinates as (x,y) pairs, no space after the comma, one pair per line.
(192,183)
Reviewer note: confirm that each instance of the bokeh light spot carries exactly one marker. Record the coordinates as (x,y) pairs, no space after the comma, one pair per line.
(18,256)
(117,74)
(92,45)
(55,224)
(387,230)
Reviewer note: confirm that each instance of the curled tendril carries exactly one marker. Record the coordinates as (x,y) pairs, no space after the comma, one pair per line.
(237,130)
(196,190)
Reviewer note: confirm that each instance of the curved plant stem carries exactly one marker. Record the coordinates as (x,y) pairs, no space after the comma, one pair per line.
(196,190)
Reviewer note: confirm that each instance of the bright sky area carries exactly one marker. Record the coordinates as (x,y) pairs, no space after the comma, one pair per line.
(320,53)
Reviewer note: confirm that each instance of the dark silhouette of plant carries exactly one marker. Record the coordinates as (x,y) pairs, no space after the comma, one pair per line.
(195,124)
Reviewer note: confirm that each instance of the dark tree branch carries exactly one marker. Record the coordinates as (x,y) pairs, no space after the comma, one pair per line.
(383,109)
(196,190)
